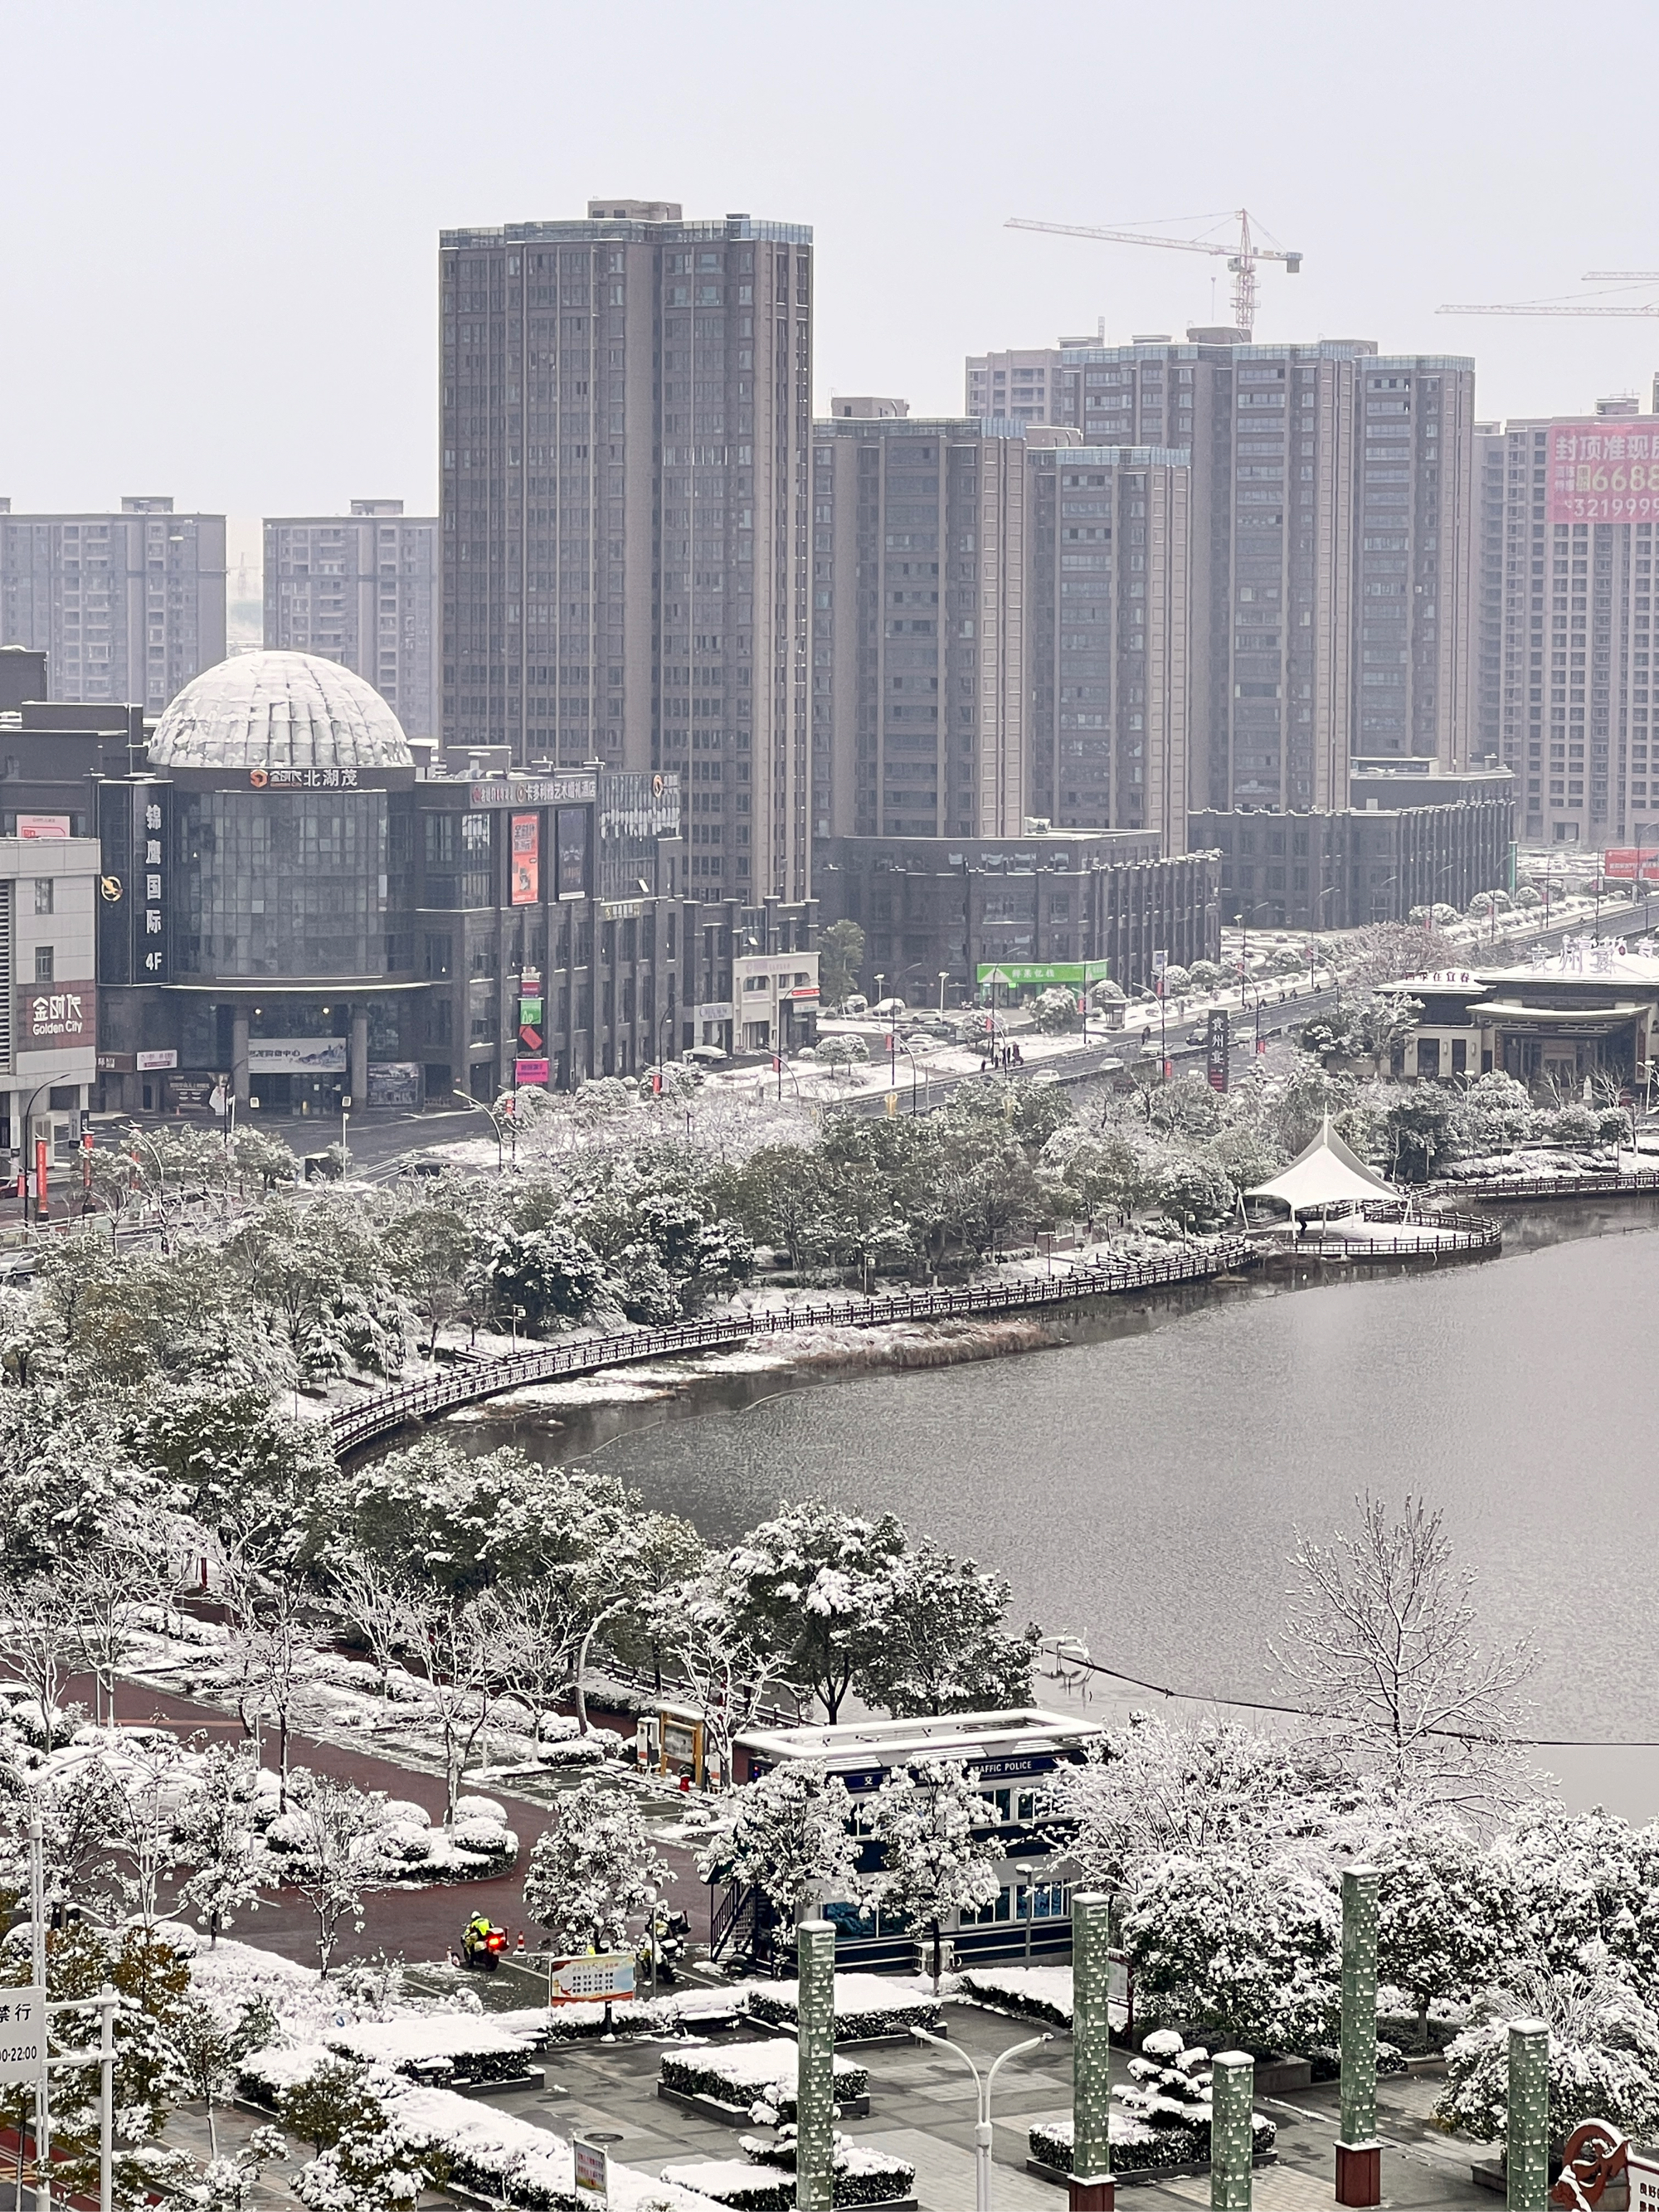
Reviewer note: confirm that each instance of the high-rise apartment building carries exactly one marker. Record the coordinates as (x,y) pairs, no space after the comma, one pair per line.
(1333,528)
(1000,629)
(360,589)
(1566,601)
(625,419)
(127,606)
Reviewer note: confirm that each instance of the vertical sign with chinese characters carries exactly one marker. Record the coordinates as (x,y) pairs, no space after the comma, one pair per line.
(571,832)
(592,2165)
(1217,1049)
(23,2038)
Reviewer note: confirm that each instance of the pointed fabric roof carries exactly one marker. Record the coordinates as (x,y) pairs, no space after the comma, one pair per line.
(1327,1174)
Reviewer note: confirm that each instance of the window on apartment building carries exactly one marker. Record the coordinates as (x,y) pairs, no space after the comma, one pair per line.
(43,964)
(43,895)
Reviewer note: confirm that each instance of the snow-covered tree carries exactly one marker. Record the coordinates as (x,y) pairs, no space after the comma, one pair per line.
(1585,1887)
(806,1583)
(1156,1788)
(1604,2054)
(942,1646)
(363,2163)
(325,1832)
(938,1854)
(788,1834)
(591,1870)
(215,1837)
(722,1661)
(1448,1923)
(451,1643)
(1381,1644)
(547,1276)
(1054,1011)
(41,1644)
(232,2184)
(1246,1951)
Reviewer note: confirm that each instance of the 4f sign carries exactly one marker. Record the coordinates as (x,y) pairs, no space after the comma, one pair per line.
(23,2038)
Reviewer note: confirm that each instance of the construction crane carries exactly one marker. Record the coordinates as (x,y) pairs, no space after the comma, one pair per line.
(1241,256)
(1566,306)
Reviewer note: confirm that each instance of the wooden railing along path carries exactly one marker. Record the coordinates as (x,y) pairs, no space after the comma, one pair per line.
(390,1410)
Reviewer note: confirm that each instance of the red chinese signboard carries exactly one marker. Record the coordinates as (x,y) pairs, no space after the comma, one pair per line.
(526,858)
(1623,860)
(61,1014)
(1605,470)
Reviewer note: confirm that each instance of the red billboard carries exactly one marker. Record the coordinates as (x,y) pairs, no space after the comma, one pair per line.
(1622,860)
(526,860)
(1604,470)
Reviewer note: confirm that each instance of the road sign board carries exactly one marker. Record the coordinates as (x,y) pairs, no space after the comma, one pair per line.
(23,2038)
(601,1978)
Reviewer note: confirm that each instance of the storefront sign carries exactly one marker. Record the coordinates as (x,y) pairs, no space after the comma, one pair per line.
(303,779)
(117,1063)
(296,1055)
(62,1014)
(46,827)
(580,788)
(394,1083)
(145,1062)
(571,830)
(803,991)
(1019,975)
(1603,471)
(530,1025)
(189,1094)
(526,860)
(526,1071)
(621,909)
(716,1010)
(23,2038)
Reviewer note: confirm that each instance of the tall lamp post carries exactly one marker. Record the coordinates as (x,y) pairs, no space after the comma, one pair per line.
(40,1210)
(983,2084)
(944,978)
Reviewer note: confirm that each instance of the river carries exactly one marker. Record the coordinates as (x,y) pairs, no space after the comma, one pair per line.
(1141,1484)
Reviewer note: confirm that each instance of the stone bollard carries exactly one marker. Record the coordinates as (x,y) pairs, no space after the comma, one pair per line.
(1527,2141)
(815,2071)
(1232,2096)
(1092,2188)
(1358,2153)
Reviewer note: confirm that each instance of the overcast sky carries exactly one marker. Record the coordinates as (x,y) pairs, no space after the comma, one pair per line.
(217,247)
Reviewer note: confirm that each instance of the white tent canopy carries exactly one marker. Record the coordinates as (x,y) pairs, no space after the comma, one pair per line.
(1327,1174)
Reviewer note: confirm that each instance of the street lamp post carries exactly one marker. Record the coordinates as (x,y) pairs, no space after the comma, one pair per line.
(139,1138)
(944,978)
(983,2084)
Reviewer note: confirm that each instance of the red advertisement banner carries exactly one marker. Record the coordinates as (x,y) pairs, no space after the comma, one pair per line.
(1604,470)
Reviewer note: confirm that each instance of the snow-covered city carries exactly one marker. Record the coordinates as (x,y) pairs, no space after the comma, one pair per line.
(829,1167)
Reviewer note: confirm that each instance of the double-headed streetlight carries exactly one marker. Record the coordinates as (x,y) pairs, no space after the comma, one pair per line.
(982,2084)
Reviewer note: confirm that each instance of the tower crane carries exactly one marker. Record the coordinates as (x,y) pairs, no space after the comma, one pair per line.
(1649,308)
(1241,256)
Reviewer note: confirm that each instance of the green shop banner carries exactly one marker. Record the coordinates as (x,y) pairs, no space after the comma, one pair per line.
(1017,975)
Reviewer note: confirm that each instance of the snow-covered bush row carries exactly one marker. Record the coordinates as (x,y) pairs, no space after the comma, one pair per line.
(511,2161)
(441,2049)
(750,2075)
(865,2006)
(1032,1992)
(861,2175)
(403,1845)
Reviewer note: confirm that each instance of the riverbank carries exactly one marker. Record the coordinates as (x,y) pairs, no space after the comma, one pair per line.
(1138,1477)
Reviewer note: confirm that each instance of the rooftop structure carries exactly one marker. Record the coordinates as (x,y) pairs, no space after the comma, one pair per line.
(266,710)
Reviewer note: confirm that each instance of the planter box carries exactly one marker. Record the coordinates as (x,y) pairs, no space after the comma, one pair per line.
(1279,2071)
(533,2077)
(1131,2174)
(737,2116)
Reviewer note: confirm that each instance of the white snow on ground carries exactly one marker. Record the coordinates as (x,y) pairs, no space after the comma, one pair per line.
(497,2145)
(1050,1986)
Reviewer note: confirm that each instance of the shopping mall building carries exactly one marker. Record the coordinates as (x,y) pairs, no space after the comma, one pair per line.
(292,903)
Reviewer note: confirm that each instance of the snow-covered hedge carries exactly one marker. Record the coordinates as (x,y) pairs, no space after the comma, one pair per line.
(404,1846)
(1326,2061)
(861,2176)
(751,2075)
(440,2048)
(495,2155)
(1162,2115)
(1033,1992)
(865,2006)
(1140,2149)
(263,2076)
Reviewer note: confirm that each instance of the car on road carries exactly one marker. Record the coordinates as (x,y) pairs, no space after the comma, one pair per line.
(1198,1036)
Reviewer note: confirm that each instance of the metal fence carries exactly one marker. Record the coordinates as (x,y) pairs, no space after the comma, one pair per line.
(389,1410)
(1644,1182)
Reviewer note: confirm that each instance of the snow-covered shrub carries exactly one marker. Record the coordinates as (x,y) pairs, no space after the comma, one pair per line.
(1161,2118)
(481,1808)
(440,2048)
(263,2076)
(862,2175)
(1604,2055)
(1032,1992)
(489,1838)
(865,2006)
(1326,2061)
(751,2075)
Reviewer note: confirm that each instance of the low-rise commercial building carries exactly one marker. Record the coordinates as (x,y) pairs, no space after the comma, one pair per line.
(1590,1011)
(934,911)
(291,908)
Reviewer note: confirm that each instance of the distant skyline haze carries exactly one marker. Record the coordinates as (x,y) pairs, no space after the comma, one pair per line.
(220,262)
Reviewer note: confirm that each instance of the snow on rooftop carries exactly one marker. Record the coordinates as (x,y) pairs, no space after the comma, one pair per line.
(264,710)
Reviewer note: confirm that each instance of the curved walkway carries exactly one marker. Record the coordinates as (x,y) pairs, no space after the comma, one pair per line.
(390,1410)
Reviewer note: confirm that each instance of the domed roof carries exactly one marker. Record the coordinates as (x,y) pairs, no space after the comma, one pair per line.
(279,710)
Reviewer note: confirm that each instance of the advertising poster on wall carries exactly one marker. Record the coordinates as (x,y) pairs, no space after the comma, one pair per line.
(526,860)
(1604,470)
(394,1083)
(526,1071)
(571,830)
(65,1015)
